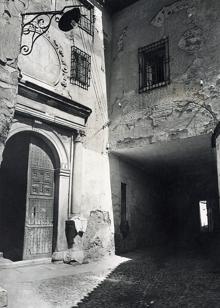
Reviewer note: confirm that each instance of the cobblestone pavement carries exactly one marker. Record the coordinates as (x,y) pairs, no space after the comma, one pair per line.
(142,279)
(151,280)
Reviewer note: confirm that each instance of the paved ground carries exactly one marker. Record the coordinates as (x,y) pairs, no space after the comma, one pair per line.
(141,279)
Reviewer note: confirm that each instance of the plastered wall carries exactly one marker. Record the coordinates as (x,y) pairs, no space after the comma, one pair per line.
(144,205)
(49,65)
(187,107)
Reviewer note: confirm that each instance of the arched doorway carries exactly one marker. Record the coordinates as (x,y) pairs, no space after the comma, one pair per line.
(27,193)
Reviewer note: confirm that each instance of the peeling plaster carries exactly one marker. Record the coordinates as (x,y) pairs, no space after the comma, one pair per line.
(191,40)
(169,10)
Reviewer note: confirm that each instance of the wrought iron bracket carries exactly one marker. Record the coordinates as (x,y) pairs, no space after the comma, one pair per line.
(38,24)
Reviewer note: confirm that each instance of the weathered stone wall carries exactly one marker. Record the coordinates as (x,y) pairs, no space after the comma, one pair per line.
(94,235)
(145,205)
(10,29)
(187,107)
(89,239)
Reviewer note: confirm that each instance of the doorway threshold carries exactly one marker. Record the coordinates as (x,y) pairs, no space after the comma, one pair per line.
(5,263)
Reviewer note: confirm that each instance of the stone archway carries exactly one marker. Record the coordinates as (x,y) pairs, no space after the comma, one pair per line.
(17,159)
(28,205)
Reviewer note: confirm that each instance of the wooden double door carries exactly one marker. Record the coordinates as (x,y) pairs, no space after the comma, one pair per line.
(39,217)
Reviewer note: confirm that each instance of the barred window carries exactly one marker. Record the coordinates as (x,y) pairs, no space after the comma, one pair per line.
(154,70)
(86,21)
(80,73)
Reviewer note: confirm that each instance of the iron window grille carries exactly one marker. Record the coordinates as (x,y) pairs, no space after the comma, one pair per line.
(87,20)
(80,73)
(154,68)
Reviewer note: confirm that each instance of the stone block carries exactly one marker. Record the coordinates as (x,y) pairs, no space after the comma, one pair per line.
(58,256)
(73,255)
(97,240)
(3,298)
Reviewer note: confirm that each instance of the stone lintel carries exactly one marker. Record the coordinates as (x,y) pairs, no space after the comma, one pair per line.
(35,92)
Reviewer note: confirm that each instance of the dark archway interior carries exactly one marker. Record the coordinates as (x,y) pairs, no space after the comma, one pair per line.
(13,183)
(178,175)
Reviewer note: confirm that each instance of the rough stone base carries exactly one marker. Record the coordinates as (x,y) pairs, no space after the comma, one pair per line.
(98,238)
(3,298)
(96,242)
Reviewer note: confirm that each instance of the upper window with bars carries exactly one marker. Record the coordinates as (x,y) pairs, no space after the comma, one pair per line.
(80,72)
(154,70)
(87,19)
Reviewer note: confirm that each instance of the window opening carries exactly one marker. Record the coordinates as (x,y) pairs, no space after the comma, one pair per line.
(206,217)
(203,215)
(124,227)
(123,202)
(154,71)
(80,73)
(87,19)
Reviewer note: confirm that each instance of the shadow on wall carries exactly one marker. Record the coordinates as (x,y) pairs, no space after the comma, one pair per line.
(161,277)
(138,206)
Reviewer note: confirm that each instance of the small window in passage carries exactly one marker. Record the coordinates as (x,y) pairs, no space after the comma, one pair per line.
(204,221)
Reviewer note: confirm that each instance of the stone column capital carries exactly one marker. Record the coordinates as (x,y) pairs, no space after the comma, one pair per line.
(80,135)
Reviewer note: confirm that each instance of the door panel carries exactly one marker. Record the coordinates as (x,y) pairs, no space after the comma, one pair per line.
(39,202)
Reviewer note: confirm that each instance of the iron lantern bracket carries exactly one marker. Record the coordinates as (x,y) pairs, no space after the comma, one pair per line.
(38,24)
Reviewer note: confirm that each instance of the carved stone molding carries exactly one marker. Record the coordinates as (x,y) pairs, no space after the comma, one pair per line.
(80,136)
(63,66)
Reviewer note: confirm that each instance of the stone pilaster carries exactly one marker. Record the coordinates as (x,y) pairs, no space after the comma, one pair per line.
(77,174)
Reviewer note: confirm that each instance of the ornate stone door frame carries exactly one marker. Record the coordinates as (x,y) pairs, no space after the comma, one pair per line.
(62,174)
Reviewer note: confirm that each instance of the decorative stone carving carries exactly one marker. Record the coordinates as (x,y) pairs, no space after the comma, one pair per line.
(46,62)
(191,40)
(169,10)
(21,5)
(64,67)
(80,136)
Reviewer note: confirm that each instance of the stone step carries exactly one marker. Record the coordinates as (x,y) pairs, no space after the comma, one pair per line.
(5,263)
